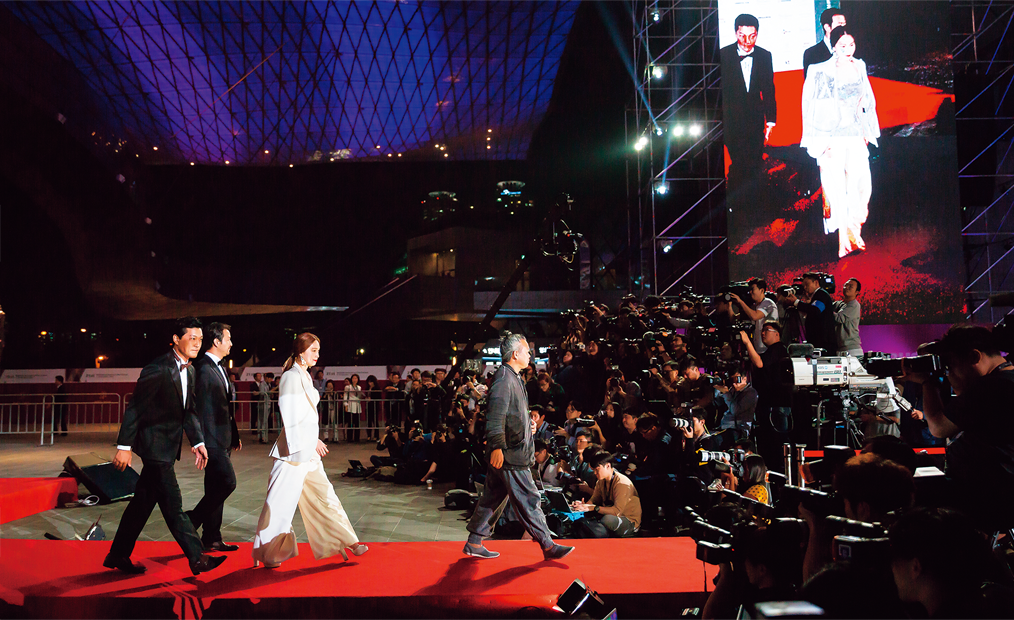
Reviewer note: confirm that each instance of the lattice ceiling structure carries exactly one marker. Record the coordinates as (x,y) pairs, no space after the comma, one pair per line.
(277,83)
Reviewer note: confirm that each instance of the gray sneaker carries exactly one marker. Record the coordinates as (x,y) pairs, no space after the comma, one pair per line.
(556,552)
(480,552)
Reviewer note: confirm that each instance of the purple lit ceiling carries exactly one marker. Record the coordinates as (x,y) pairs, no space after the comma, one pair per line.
(288,83)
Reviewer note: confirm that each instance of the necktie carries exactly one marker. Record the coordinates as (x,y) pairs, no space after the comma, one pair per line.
(743,57)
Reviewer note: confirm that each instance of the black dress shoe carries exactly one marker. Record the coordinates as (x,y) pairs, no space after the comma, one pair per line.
(205,563)
(219,546)
(124,564)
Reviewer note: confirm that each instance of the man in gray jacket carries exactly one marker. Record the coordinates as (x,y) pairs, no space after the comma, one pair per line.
(510,449)
(846,319)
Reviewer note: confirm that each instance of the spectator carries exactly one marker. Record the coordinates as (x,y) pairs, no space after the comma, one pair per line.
(328,407)
(372,397)
(353,408)
(395,400)
(60,409)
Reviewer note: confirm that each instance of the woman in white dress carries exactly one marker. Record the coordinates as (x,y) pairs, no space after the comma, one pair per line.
(353,408)
(297,475)
(839,120)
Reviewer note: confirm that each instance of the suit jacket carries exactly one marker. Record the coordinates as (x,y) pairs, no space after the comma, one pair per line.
(155,419)
(215,406)
(747,112)
(297,402)
(816,54)
(508,423)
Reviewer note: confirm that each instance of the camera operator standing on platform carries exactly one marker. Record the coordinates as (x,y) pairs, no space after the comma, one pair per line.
(846,319)
(819,311)
(510,450)
(788,315)
(979,420)
(760,309)
(774,402)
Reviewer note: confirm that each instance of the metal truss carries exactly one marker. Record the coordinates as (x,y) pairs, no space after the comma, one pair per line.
(983,58)
(283,82)
(676,174)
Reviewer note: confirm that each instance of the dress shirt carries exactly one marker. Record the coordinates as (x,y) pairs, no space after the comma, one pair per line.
(745,65)
(218,363)
(183,381)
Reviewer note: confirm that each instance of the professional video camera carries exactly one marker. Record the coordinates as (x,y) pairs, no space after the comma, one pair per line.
(818,502)
(859,542)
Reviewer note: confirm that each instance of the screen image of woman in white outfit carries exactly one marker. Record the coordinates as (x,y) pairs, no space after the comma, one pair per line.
(297,475)
(839,120)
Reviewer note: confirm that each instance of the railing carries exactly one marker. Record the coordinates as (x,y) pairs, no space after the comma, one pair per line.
(27,414)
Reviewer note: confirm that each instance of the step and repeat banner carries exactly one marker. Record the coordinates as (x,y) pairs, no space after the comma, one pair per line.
(840,150)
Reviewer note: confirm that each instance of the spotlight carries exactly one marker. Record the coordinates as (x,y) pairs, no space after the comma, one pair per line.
(658,71)
(695,130)
(641,143)
(666,247)
(656,16)
(659,131)
(676,130)
(579,597)
(661,188)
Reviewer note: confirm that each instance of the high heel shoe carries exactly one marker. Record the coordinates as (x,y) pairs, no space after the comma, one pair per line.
(266,564)
(359,549)
(345,556)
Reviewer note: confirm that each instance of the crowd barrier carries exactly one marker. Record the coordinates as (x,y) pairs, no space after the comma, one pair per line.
(342,418)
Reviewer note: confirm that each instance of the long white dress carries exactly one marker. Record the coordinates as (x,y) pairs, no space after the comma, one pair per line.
(298,479)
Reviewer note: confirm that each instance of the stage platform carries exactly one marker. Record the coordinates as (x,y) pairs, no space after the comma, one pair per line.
(21,497)
(641,577)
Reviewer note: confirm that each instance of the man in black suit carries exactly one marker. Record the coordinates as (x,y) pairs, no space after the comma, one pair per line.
(749,110)
(819,311)
(214,399)
(829,20)
(161,409)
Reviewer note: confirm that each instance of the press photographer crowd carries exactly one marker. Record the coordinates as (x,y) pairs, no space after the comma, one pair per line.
(690,417)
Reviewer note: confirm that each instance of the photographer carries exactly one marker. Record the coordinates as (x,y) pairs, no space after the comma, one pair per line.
(741,399)
(870,487)
(788,315)
(774,395)
(614,501)
(694,386)
(846,319)
(545,468)
(819,311)
(543,429)
(759,310)
(551,398)
(698,438)
(390,441)
(940,561)
(978,419)
(663,457)
(630,441)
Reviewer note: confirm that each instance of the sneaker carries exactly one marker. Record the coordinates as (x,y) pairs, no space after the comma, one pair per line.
(480,552)
(556,552)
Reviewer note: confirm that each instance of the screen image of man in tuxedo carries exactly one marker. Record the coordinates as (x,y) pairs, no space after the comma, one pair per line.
(216,408)
(160,411)
(749,110)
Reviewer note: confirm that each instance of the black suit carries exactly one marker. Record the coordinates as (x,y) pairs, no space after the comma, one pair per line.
(214,401)
(815,55)
(746,114)
(153,427)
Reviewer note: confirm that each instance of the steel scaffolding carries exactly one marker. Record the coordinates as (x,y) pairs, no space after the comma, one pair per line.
(983,60)
(676,174)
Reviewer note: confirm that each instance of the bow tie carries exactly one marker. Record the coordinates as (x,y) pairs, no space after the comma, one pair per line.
(742,57)
(185,366)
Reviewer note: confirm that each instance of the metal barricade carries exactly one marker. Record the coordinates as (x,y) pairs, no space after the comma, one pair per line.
(96,412)
(23,414)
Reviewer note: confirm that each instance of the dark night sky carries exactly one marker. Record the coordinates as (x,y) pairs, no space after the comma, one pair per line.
(353,219)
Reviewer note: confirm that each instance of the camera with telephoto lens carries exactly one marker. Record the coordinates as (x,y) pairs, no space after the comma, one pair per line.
(717,544)
(584,422)
(680,423)
(929,364)
(818,502)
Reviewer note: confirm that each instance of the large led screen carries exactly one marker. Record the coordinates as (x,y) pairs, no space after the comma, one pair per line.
(849,169)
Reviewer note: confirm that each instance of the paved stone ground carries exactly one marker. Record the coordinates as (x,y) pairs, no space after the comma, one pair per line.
(380,511)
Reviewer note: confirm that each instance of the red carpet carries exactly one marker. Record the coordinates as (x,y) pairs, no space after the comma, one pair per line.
(644,577)
(21,497)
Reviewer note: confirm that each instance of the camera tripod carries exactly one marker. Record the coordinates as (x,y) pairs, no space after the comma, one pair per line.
(845,432)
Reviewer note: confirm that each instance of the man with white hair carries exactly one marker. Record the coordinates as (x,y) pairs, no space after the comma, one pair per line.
(510,450)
